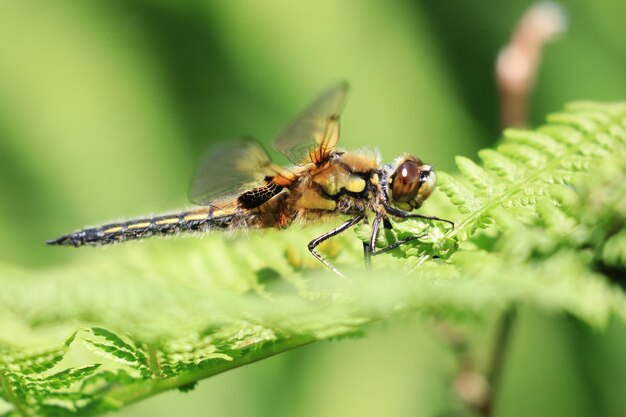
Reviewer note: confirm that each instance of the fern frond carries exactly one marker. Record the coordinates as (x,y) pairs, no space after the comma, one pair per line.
(550,204)
(521,170)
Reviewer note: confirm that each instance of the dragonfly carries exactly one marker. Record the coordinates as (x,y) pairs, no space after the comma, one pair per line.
(238,187)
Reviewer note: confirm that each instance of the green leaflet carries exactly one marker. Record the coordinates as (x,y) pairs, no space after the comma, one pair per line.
(113,346)
(539,221)
(523,169)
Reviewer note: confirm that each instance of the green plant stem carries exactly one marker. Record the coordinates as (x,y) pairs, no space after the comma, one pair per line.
(498,355)
(129,394)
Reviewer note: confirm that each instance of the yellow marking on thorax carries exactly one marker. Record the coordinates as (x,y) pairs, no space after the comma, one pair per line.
(374,180)
(113,229)
(328,180)
(191,217)
(310,199)
(338,175)
(138,225)
(168,221)
(355,184)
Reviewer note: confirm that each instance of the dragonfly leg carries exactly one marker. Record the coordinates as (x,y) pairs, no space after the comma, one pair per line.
(406,215)
(370,247)
(339,229)
(395,245)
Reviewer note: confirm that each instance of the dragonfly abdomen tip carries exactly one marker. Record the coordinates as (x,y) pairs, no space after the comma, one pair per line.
(67,240)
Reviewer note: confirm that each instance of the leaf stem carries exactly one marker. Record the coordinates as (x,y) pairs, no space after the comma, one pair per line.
(128,394)
(498,354)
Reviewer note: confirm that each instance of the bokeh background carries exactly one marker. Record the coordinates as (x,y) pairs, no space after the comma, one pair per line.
(106,106)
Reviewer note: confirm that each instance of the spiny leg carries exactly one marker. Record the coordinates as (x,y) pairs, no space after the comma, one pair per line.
(370,248)
(339,229)
(366,247)
(406,215)
(396,244)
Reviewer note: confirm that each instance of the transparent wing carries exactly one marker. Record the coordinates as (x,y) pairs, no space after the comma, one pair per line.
(229,168)
(315,132)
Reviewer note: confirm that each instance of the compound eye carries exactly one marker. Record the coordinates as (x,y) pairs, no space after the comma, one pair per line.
(406,181)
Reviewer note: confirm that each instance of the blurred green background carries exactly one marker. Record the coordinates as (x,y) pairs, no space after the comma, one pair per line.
(106,106)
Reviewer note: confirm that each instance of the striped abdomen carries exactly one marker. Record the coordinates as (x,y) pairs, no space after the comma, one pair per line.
(157,226)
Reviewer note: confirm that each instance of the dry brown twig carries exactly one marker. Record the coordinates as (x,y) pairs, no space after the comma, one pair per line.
(516,70)
(518,62)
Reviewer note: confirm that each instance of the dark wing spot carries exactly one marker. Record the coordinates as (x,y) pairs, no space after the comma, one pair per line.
(257,196)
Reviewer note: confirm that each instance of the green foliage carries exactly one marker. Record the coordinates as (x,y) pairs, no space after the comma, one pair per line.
(539,222)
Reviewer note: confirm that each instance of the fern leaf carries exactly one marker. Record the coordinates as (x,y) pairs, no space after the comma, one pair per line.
(528,156)
(558,153)
(476,175)
(541,223)
(540,141)
(460,194)
(614,250)
(501,165)
(117,348)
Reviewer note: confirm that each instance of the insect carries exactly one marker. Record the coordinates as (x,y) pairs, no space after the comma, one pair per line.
(237,186)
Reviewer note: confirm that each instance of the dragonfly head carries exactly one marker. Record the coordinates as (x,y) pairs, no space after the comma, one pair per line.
(410,182)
